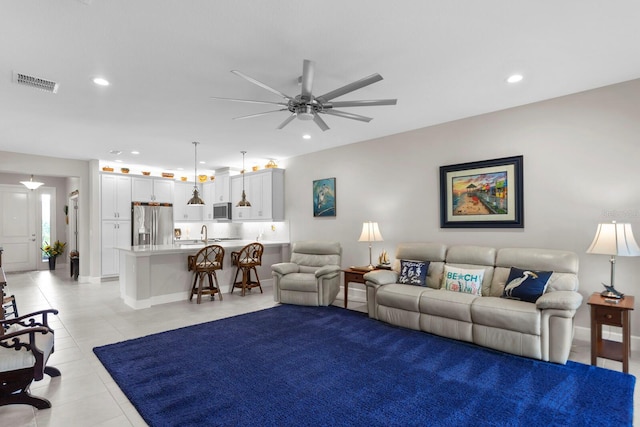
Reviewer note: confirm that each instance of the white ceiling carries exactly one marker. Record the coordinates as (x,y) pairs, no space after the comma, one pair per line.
(442,60)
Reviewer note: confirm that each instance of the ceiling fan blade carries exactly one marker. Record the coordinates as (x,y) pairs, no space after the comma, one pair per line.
(347,115)
(259,114)
(287,121)
(250,101)
(366,103)
(308,68)
(366,81)
(262,85)
(321,124)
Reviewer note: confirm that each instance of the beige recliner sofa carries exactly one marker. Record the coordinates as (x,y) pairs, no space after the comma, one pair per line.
(542,330)
(312,277)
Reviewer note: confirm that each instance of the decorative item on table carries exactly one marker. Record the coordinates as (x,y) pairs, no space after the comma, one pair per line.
(124,170)
(271,164)
(202,178)
(177,233)
(146,173)
(383,259)
(167,175)
(615,240)
(107,169)
(52,251)
(370,233)
(183,178)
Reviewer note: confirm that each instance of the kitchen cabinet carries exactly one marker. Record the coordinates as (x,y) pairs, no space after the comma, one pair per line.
(113,234)
(182,211)
(265,192)
(209,197)
(158,190)
(222,187)
(115,197)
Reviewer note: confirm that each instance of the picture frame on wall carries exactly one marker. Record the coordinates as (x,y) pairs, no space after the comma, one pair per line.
(324,197)
(483,194)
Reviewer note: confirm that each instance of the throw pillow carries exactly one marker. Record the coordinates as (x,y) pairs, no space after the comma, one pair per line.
(526,285)
(413,272)
(463,280)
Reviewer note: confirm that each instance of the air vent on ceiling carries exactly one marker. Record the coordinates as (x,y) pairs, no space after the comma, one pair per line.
(35,82)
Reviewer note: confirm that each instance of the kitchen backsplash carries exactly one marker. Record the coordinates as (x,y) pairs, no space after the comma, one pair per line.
(273,231)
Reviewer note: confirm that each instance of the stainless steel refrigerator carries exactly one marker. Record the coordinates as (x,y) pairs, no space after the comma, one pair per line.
(152,223)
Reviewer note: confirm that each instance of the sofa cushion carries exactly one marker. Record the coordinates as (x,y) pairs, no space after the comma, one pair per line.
(413,272)
(506,314)
(302,282)
(463,280)
(401,296)
(526,285)
(452,305)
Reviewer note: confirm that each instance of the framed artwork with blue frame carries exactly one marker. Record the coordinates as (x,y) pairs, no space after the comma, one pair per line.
(324,197)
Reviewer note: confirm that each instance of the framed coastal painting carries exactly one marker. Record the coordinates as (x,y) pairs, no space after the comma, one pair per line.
(324,197)
(484,194)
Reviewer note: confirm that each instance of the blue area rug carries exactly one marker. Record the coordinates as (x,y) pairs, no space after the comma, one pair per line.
(326,366)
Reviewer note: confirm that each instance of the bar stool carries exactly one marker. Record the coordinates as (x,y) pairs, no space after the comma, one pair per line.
(9,306)
(246,260)
(204,264)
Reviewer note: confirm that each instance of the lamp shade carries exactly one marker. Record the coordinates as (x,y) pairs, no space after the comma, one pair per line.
(370,232)
(614,239)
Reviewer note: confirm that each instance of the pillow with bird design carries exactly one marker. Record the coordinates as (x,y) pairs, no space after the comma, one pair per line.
(526,285)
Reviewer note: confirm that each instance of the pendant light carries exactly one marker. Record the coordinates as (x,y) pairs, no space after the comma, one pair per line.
(243,203)
(31,184)
(195,200)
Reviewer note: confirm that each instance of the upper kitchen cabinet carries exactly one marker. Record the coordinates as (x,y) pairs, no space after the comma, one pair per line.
(264,190)
(182,211)
(222,186)
(115,197)
(158,190)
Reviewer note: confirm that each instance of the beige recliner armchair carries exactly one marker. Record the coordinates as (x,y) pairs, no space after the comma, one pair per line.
(313,275)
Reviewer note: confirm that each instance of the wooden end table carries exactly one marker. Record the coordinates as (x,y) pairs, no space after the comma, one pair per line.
(355,275)
(605,311)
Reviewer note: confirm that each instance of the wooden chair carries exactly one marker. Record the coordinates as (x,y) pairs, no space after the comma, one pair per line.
(9,307)
(246,260)
(204,264)
(25,348)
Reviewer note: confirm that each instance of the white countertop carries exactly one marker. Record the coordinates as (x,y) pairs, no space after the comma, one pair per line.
(179,248)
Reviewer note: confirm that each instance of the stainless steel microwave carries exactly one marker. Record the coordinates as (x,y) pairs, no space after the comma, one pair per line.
(222,211)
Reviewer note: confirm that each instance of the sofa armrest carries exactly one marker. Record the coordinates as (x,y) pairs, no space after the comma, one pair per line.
(381,277)
(327,269)
(285,268)
(559,300)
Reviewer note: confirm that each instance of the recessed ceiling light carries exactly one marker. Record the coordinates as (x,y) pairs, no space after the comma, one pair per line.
(134,152)
(118,161)
(180,169)
(115,152)
(514,78)
(306,136)
(202,162)
(101,82)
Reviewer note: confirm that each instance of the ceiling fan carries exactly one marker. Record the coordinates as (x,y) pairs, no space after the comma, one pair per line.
(306,106)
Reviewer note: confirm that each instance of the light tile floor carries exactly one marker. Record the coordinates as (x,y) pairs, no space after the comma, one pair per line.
(93,315)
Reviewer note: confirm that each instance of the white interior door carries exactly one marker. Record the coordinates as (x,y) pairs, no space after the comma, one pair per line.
(18,228)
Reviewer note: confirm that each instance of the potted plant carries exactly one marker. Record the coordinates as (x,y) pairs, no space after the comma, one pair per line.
(52,251)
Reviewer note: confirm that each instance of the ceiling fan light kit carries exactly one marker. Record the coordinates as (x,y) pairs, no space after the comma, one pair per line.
(307,107)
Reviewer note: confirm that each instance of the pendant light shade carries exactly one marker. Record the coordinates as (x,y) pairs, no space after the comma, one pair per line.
(195,200)
(31,184)
(243,203)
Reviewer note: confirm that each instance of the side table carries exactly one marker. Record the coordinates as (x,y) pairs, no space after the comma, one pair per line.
(605,311)
(355,275)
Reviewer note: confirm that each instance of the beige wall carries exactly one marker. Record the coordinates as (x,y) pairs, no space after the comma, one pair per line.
(581,155)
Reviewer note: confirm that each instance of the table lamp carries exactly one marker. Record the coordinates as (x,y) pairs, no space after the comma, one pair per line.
(370,233)
(615,240)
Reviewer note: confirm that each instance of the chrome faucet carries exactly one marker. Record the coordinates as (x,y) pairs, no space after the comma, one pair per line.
(204,228)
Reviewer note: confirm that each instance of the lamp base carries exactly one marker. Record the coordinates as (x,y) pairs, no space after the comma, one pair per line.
(610,294)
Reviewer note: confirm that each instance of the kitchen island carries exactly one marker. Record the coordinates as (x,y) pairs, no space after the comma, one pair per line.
(158,274)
